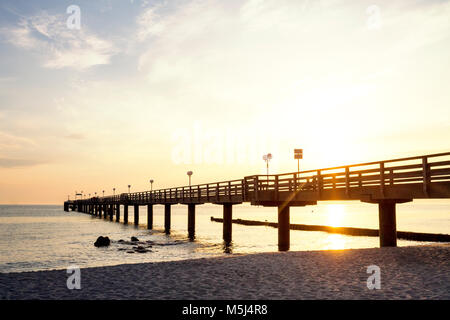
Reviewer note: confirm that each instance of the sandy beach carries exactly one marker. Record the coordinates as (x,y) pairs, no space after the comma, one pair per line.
(419,272)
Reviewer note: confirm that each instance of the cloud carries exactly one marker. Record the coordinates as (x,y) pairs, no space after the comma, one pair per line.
(17,163)
(12,142)
(75,136)
(62,47)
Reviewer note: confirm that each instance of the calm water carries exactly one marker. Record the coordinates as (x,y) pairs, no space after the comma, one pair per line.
(45,237)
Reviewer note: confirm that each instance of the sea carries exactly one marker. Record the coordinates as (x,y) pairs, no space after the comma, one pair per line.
(44,237)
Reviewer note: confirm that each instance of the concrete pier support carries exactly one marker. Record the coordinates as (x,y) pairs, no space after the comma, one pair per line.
(150,216)
(136,214)
(191,221)
(388,224)
(227,222)
(111,212)
(105,211)
(283,228)
(125,214)
(117,212)
(167,208)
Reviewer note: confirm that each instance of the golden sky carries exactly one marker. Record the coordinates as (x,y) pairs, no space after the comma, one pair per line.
(151,89)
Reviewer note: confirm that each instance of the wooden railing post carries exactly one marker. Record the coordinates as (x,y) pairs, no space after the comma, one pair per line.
(277,193)
(256,182)
(382,178)
(426,176)
(229,191)
(319,183)
(347,181)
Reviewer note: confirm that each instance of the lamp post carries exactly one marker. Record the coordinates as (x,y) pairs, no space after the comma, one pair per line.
(114,191)
(151,184)
(95,194)
(129,186)
(189,173)
(267,158)
(103,193)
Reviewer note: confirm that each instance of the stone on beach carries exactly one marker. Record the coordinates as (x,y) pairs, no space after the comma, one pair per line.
(102,242)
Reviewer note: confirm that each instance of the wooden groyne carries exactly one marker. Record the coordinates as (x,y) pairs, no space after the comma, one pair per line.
(405,235)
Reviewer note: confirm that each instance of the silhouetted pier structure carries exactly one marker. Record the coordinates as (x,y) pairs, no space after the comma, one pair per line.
(385,183)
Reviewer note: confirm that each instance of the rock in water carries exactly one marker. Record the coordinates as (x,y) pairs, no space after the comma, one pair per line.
(102,242)
(134,239)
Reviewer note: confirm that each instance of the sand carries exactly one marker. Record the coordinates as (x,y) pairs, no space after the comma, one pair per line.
(419,272)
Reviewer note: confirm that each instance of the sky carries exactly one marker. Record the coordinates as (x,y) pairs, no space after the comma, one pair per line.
(118,92)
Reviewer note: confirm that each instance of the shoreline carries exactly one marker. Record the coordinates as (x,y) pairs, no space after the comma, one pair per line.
(413,272)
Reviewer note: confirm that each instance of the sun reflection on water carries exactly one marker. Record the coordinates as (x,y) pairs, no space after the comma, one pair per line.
(334,242)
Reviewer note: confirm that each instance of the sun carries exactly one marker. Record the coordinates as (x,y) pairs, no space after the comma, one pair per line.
(335,215)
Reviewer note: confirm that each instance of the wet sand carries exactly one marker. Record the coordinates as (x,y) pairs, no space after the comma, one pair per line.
(418,272)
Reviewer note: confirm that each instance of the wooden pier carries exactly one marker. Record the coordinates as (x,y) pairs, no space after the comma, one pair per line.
(385,183)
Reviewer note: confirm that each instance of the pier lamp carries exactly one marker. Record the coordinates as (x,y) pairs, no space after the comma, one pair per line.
(103,193)
(151,184)
(189,173)
(114,191)
(129,186)
(267,158)
(95,194)
(89,195)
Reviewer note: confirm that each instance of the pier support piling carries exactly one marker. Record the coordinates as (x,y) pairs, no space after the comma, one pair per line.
(167,208)
(227,222)
(150,216)
(117,212)
(388,225)
(136,214)
(283,228)
(191,221)
(111,212)
(125,214)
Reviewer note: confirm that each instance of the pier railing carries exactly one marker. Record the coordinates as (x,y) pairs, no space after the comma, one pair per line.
(424,170)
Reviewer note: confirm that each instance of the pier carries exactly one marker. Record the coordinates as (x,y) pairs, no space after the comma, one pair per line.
(384,183)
